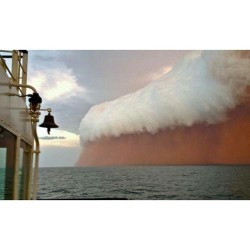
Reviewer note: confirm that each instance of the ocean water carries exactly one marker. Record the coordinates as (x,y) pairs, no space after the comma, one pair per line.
(146,183)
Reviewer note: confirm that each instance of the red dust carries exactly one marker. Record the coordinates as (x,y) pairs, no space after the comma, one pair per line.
(223,143)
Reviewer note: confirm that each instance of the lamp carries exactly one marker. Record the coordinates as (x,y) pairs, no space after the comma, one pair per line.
(35,101)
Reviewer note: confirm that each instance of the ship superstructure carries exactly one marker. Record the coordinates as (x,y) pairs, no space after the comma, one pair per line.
(19,144)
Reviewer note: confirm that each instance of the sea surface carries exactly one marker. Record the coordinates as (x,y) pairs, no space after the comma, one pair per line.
(145,183)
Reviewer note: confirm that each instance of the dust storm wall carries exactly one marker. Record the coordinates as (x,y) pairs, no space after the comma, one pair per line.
(224,143)
(199,113)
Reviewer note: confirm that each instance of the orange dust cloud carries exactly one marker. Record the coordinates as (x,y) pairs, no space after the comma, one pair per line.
(223,143)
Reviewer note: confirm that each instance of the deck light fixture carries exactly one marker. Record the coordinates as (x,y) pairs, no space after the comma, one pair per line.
(35,101)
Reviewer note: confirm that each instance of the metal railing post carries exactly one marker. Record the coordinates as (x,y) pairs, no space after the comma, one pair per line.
(24,73)
(15,66)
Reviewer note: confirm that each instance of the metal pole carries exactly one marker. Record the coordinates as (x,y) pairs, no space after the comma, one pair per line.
(24,73)
(15,66)
(19,85)
(16,166)
(36,151)
(29,177)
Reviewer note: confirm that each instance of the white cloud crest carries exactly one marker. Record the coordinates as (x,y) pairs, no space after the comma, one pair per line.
(200,89)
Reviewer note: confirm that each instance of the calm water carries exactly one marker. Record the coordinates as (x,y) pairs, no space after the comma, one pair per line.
(146,183)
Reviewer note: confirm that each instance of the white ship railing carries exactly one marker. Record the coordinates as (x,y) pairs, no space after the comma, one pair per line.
(16,67)
(15,64)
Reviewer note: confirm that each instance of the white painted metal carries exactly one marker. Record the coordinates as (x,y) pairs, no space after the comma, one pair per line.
(25,73)
(17,152)
(13,110)
(36,151)
(17,118)
(14,114)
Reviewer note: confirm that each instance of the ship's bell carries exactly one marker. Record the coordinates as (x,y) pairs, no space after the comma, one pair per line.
(48,122)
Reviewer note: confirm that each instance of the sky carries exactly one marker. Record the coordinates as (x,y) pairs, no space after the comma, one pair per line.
(72,81)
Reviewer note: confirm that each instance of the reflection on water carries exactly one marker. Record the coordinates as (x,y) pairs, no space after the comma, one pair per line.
(6,183)
(2,183)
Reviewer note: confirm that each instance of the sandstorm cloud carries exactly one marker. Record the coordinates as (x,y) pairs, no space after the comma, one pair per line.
(199,89)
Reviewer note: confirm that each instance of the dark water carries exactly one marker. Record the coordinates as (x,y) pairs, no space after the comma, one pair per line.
(146,183)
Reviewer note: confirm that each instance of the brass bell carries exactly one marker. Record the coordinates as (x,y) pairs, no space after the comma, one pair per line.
(48,122)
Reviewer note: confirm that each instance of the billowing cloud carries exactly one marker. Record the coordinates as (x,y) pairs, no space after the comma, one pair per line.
(56,84)
(70,82)
(199,89)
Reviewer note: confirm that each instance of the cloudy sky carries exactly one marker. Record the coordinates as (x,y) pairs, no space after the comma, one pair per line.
(71,81)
